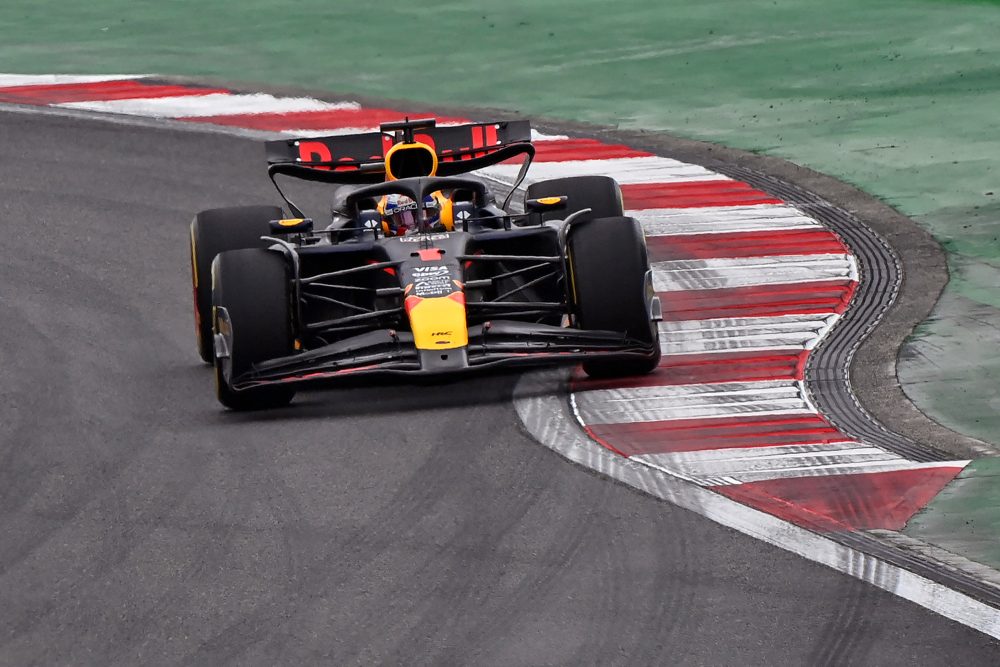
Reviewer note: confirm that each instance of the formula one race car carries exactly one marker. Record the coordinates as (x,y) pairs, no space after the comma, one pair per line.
(419,272)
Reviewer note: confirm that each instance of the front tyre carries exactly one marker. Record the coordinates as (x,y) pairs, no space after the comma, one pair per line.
(251,308)
(214,231)
(609,291)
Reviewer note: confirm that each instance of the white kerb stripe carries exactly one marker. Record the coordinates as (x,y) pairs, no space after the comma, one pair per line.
(11,80)
(214,104)
(691,401)
(819,470)
(721,219)
(772,462)
(329,132)
(623,170)
(773,456)
(695,274)
(794,332)
(724,324)
(539,136)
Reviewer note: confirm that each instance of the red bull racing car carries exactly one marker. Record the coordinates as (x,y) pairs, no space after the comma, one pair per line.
(418,271)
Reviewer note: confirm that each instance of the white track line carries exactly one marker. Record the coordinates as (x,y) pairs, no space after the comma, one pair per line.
(213,104)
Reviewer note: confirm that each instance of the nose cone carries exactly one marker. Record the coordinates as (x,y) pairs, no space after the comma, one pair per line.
(437,323)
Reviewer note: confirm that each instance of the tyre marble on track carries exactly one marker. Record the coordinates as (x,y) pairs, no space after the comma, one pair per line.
(379,524)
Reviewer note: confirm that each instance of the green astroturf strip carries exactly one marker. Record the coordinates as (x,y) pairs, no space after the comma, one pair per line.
(899,97)
(965,517)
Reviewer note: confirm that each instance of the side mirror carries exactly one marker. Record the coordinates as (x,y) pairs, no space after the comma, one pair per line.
(545,204)
(535,208)
(291,226)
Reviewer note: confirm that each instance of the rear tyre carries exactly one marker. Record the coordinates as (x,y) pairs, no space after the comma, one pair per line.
(608,265)
(252,286)
(214,231)
(599,193)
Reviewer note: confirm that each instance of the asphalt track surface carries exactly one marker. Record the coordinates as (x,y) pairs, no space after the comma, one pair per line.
(394,524)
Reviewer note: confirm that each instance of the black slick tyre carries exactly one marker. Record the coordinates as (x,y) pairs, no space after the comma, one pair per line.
(214,231)
(607,265)
(601,194)
(250,292)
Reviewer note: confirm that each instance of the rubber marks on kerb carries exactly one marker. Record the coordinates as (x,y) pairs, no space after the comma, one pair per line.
(749,286)
(744,244)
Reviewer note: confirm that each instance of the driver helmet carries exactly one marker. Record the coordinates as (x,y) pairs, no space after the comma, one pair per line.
(401,216)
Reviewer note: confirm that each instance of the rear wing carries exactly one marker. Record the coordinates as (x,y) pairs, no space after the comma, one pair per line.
(360,158)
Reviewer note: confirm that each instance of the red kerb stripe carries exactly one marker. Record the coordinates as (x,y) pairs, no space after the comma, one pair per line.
(692,435)
(866,501)
(693,194)
(744,244)
(678,369)
(330,119)
(564,150)
(828,296)
(97,91)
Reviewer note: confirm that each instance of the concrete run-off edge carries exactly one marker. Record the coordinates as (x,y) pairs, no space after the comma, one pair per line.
(924,266)
(546,417)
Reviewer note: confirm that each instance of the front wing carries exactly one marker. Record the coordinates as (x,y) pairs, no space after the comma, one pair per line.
(493,344)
